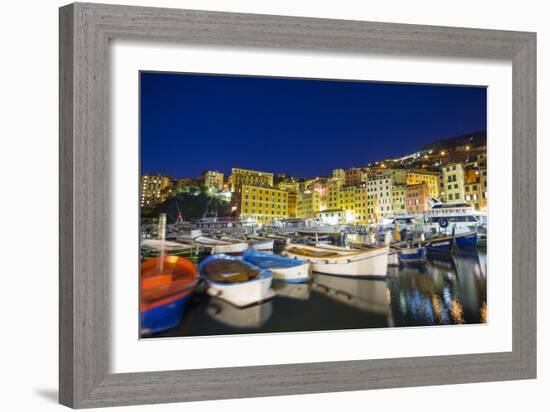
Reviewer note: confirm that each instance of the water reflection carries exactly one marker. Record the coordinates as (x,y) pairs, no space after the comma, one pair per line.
(232,316)
(445,290)
(300,291)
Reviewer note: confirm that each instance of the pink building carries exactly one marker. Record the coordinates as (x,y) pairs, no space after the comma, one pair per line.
(416,198)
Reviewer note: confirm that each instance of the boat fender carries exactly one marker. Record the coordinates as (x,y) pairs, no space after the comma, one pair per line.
(443,223)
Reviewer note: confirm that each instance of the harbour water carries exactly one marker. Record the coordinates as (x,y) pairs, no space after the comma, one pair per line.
(446,290)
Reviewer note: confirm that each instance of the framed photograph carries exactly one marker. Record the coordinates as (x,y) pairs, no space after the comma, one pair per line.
(256,205)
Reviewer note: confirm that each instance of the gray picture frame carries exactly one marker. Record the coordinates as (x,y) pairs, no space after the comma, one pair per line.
(85,32)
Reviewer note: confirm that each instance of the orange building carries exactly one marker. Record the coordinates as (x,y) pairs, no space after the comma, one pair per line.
(416,198)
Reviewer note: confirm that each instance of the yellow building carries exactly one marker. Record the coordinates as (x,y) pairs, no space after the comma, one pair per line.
(333,193)
(431,179)
(398,199)
(240,177)
(309,203)
(346,202)
(292,204)
(260,203)
(154,189)
(213,179)
(379,197)
(453,181)
(361,206)
(289,185)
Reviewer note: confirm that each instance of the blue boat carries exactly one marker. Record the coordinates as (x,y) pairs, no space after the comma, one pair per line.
(452,243)
(167,284)
(412,254)
(282,268)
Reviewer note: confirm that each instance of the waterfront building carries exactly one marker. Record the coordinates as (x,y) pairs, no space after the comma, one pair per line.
(292,203)
(154,189)
(430,178)
(483,186)
(361,205)
(472,194)
(475,188)
(379,200)
(261,204)
(308,204)
(413,177)
(212,179)
(240,177)
(417,197)
(333,192)
(453,179)
(398,199)
(346,201)
(331,217)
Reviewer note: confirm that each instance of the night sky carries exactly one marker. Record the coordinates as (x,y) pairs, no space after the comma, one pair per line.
(305,128)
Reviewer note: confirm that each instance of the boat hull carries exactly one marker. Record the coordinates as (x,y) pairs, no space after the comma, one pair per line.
(354,263)
(464,241)
(242,294)
(262,245)
(413,255)
(163,317)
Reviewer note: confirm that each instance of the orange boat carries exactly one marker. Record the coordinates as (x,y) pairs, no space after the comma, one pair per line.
(167,284)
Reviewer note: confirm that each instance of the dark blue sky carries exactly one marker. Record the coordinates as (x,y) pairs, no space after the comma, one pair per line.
(191,123)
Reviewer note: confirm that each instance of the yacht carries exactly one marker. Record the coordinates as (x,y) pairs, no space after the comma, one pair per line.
(446,217)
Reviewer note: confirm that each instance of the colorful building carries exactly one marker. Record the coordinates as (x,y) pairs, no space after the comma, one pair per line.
(154,189)
(213,179)
(308,204)
(331,217)
(398,199)
(417,198)
(240,177)
(261,204)
(379,197)
(453,181)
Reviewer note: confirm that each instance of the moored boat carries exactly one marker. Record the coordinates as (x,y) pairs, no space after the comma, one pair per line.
(216,246)
(256,243)
(265,244)
(151,248)
(452,243)
(167,284)
(336,260)
(412,254)
(236,281)
(282,268)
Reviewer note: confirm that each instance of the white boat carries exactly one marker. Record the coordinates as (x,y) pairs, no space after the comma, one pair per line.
(217,245)
(256,244)
(260,243)
(334,260)
(236,281)
(306,227)
(444,217)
